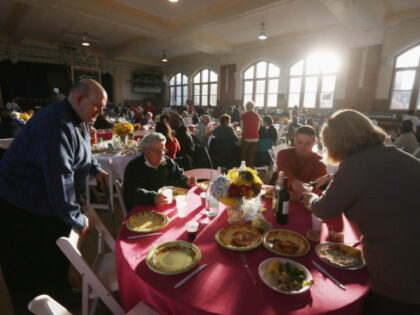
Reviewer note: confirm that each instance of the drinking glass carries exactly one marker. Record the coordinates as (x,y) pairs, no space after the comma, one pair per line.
(181,205)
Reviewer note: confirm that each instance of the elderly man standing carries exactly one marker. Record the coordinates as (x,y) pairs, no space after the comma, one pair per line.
(42,175)
(300,164)
(150,171)
(250,123)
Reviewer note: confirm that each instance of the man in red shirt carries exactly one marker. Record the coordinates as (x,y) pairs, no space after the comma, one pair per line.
(250,123)
(300,164)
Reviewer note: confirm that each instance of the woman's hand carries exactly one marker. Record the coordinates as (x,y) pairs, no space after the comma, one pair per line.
(160,200)
(321,181)
(307,198)
(191,181)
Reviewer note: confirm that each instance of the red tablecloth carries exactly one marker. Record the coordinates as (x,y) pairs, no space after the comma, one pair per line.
(224,286)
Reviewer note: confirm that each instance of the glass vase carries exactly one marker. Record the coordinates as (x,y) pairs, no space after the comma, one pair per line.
(235,215)
(123,140)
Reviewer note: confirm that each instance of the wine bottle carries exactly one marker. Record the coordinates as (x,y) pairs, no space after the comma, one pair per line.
(283,200)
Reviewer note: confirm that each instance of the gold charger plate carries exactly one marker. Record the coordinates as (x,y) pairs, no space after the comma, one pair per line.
(204,185)
(147,221)
(286,243)
(173,257)
(175,190)
(239,237)
(340,256)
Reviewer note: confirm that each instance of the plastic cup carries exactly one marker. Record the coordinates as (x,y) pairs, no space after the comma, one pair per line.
(167,192)
(192,228)
(203,196)
(181,205)
(316,223)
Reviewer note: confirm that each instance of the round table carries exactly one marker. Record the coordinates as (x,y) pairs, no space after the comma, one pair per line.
(224,287)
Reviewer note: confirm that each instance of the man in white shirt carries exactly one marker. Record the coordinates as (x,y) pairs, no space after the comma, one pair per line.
(413,118)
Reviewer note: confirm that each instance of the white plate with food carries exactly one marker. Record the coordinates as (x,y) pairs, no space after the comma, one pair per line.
(239,237)
(285,275)
(340,256)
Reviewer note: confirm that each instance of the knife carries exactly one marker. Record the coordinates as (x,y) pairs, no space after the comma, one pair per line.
(328,275)
(190,276)
(143,235)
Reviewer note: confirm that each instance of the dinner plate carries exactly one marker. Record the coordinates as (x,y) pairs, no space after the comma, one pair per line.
(173,257)
(286,243)
(239,237)
(110,153)
(267,191)
(147,221)
(347,257)
(175,190)
(267,278)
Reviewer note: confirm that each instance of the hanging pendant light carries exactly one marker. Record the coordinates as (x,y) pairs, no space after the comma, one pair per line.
(164,58)
(263,35)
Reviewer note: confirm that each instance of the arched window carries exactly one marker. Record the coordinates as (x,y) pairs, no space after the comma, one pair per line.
(205,88)
(405,88)
(261,84)
(178,89)
(312,81)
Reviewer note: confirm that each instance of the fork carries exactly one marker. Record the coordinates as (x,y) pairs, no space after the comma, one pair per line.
(245,265)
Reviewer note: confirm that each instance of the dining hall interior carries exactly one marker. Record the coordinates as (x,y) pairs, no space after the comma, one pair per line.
(184,80)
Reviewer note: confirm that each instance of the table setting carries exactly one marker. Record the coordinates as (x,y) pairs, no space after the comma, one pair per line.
(233,268)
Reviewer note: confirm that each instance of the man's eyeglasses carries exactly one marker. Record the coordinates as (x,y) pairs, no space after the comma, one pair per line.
(158,151)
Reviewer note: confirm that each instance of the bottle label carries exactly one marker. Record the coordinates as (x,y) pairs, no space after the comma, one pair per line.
(285,209)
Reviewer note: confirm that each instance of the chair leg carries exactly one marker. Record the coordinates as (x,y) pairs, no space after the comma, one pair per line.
(85,298)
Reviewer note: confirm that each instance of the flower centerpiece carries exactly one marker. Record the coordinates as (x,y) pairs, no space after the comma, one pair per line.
(238,190)
(122,130)
(285,120)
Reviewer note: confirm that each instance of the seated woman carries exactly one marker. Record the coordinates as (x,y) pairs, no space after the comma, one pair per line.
(201,131)
(377,187)
(172,145)
(150,171)
(147,119)
(267,138)
(407,141)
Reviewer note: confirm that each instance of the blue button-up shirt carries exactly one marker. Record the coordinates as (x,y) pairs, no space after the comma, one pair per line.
(45,168)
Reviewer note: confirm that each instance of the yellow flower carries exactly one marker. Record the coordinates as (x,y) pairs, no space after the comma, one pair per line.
(24,117)
(122,129)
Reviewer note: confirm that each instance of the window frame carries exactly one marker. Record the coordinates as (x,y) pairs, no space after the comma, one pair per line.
(175,86)
(266,79)
(201,84)
(415,91)
(318,92)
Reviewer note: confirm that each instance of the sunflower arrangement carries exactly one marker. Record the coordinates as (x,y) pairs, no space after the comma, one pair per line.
(122,129)
(24,116)
(285,120)
(237,185)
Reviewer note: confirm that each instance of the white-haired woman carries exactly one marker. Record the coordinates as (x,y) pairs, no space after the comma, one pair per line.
(150,171)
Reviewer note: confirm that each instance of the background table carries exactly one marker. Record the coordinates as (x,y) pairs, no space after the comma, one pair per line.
(224,286)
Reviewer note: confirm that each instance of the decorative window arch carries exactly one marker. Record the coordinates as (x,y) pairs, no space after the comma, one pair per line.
(205,87)
(261,84)
(312,81)
(405,80)
(178,89)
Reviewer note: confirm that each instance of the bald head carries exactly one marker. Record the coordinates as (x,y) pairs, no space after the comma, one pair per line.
(88,98)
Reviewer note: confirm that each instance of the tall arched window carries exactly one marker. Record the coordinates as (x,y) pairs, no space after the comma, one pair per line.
(405,87)
(178,89)
(261,84)
(205,88)
(312,81)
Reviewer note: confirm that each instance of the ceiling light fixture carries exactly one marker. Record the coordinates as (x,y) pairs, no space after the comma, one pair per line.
(173,1)
(263,35)
(85,41)
(164,59)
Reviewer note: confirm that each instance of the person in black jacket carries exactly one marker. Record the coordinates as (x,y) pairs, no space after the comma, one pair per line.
(268,136)
(182,134)
(102,123)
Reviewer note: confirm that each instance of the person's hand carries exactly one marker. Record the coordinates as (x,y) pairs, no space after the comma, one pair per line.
(321,181)
(307,198)
(298,188)
(85,228)
(160,200)
(102,179)
(191,181)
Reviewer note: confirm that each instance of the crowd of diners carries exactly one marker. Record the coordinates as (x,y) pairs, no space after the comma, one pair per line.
(376,186)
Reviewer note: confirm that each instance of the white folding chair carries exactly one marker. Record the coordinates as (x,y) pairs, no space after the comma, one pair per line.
(203,173)
(276,149)
(99,279)
(91,183)
(416,152)
(46,305)
(119,189)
